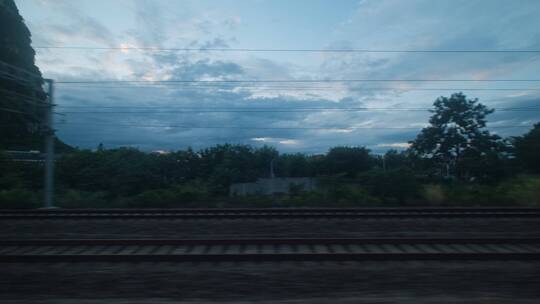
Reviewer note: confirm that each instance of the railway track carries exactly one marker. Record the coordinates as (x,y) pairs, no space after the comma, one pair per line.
(282,249)
(267,213)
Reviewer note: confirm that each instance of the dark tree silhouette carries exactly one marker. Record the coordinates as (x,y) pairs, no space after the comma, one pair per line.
(348,160)
(20,130)
(455,140)
(527,149)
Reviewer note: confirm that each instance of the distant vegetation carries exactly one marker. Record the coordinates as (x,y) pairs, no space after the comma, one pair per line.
(440,169)
(19,130)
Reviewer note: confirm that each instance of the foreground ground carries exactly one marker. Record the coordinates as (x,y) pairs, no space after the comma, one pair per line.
(271,282)
(349,282)
(315,227)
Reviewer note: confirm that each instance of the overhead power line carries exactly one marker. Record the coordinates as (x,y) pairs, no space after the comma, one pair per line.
(266,128)
(284,87)
(122,142)
(165,107)
(277,110)
(284,50)
(291,81)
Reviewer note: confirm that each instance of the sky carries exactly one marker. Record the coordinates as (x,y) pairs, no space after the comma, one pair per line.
(291,116)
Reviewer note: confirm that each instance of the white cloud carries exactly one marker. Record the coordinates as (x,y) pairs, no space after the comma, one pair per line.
(288,142)
(383,24)
(402,145)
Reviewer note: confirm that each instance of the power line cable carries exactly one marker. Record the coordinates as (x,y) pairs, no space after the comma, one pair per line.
(237,108)
(288,87)
(292,110)
(266,128)
(290,81)
(159,49)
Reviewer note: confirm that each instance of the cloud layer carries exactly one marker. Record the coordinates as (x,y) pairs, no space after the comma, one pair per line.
(174,116)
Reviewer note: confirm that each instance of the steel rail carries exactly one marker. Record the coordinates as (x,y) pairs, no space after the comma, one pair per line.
(287,249)
(267,213)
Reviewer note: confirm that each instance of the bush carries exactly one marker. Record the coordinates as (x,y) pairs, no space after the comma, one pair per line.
(180,196)
(434,195)
(83,199)
(394,186)
(522,190)
(161,198)
(471,195)
(338,196)
(518,191)
(18,199)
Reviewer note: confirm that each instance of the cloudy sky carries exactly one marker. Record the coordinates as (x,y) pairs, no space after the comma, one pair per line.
(292,116)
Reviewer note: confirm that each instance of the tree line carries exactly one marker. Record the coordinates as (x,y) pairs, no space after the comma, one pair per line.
(455,150)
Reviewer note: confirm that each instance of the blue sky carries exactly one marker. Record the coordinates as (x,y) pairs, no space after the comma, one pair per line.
(272,24)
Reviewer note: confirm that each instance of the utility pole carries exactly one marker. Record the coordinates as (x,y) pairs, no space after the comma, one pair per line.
(49,147)
(272,174)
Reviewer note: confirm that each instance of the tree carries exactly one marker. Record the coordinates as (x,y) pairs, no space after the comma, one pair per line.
(122,171)
(348,160)
(526,149)
(15,49)
(393,184)
(455,141)
(293,165)
(393,159)
(226,164)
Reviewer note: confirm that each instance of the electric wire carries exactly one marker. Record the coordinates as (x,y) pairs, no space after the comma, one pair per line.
(290,110)
(172,126)
(281,50)
(287,81)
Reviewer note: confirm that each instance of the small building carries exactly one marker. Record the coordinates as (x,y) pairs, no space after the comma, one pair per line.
(269,186)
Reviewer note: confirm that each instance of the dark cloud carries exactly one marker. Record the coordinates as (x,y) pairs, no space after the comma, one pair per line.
(217,43)
(245,124)
(85,28)
(78,25)
(232,22)
(202,68)
(379,24)
(150,25)
(166,102)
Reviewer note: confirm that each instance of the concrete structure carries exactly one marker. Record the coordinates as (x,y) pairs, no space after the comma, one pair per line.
(268,186)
